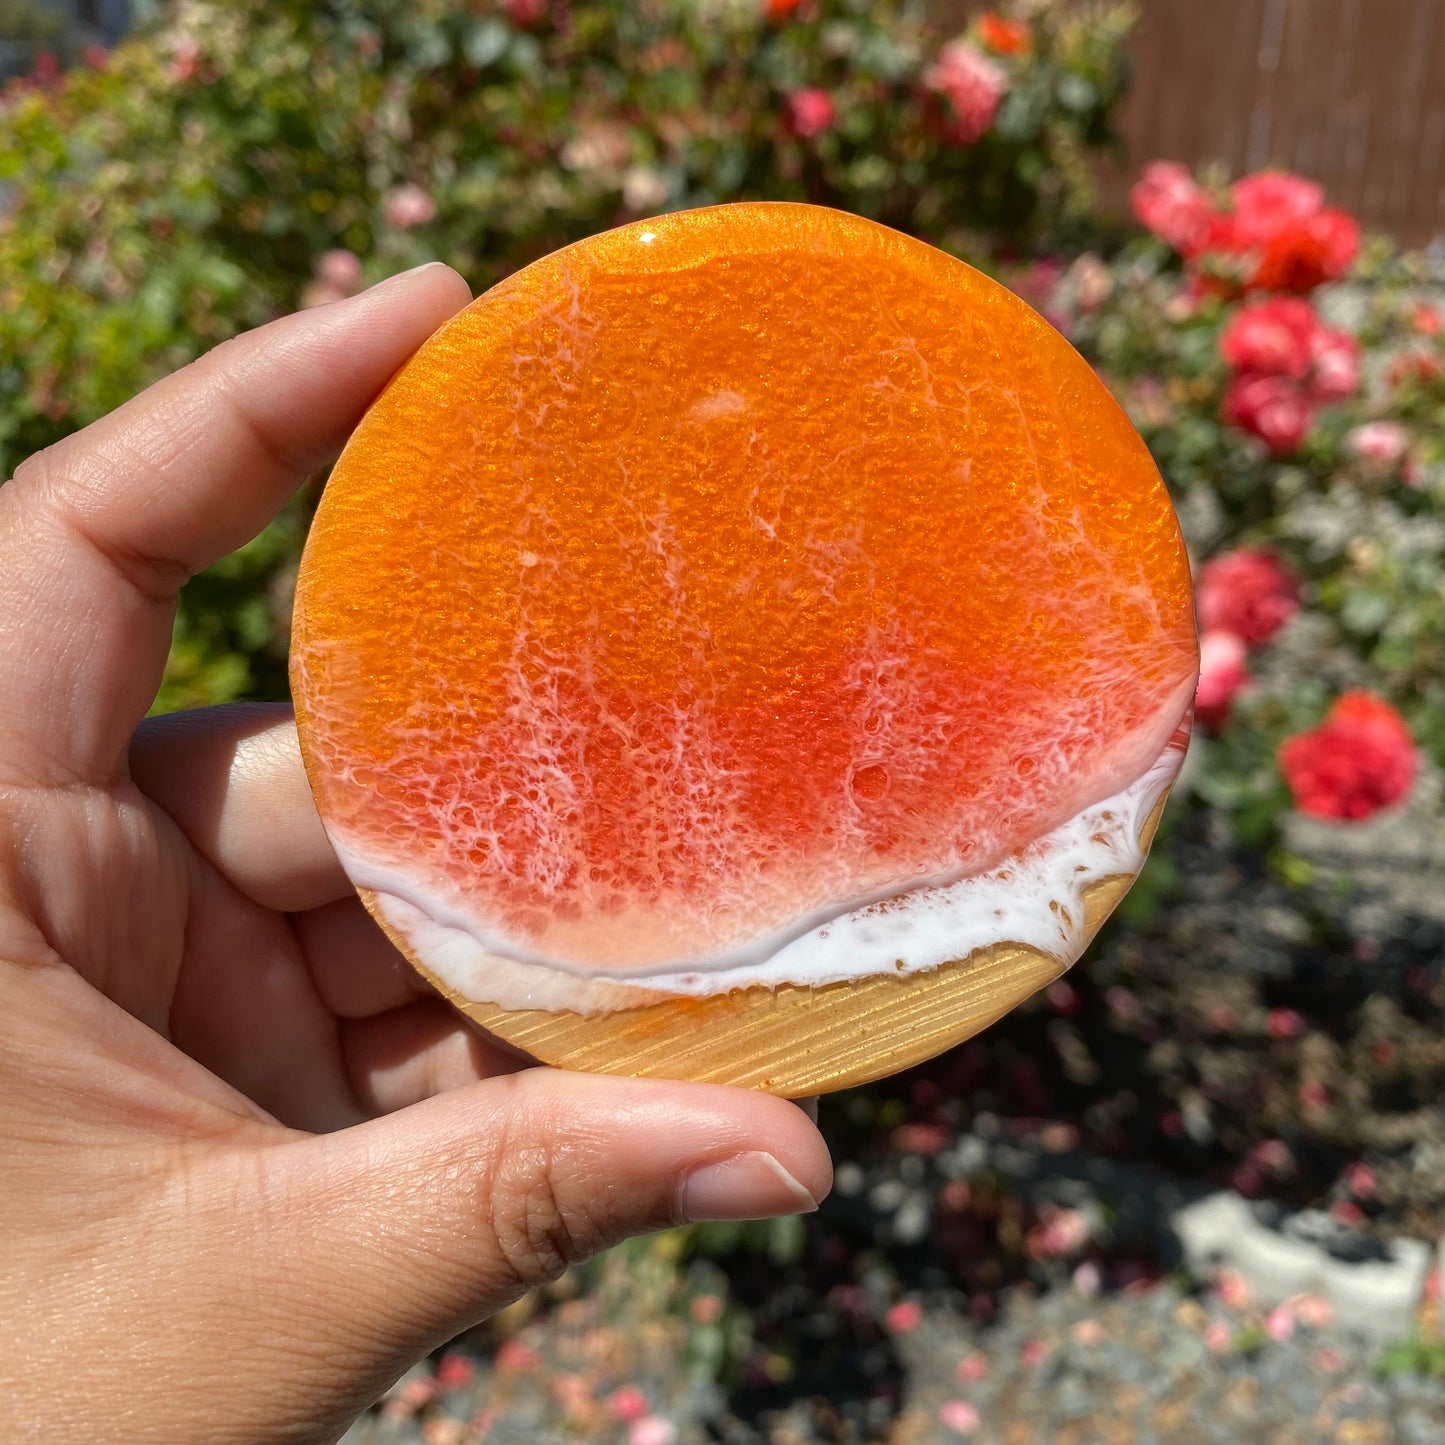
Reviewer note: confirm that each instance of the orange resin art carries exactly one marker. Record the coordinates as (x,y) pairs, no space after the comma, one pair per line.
(733,637)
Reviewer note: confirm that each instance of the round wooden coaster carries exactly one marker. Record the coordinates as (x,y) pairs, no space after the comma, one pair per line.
(798,1041)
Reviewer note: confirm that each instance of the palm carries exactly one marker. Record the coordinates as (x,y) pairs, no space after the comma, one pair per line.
(221,977)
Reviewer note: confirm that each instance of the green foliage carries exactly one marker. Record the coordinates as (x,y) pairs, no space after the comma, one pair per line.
(1417,1354)
(185,190)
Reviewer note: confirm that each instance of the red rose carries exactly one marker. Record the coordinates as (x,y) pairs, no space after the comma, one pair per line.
(1003,36)
(1359,760)
(780,9)
(1247,593)
(1269,202)
(525,13)
(1304,255)
(810,111)
(1278,236)
(1273,408)
(1222,672)
(1272,338)
(1173,205)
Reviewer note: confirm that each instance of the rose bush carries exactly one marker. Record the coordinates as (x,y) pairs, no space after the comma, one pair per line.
(1291,384)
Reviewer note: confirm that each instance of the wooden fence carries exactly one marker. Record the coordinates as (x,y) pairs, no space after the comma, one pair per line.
(1349,92)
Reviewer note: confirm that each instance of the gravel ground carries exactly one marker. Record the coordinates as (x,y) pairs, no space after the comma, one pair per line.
(1141,1367)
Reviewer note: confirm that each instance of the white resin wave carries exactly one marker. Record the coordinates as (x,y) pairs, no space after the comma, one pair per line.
(1035,898)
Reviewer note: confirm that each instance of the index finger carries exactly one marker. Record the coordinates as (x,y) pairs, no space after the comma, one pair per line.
(98,532)
(232,779)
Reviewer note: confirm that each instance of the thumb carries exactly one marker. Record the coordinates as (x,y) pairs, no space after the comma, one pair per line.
(415,1226)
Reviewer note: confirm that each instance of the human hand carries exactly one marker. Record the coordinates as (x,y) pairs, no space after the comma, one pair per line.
(252,1168)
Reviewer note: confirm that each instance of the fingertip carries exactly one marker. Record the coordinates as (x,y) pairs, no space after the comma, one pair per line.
(434,276)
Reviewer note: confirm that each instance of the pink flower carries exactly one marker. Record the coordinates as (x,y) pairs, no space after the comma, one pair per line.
(1088,1333)
(1279,1322)
(1063,997)
(1329,1361)
(706,1309)
(1219,1337)
(1360,1180)
(1313,1095)
(1173,205)
(1284,1023)
(1271,338)
(1383,443)
(185,59)
(971,1368)
(1233,1290)
(1222,672)
(454,1371)
(514,1355)
(1248,592)
(1032,1354)
(1347,1213)
(651,1430)
(1087,1280)
(406,1397)
(340,268)
(925,1139)
(408,206)
(626,1403)
(972,85)
(1273,1155)
(906,1315)
(1314,1310)
(1360,759)
(810,111)
(1427,320)
(959,1416)
(1273,408)
(1060,1233)
(1335,373)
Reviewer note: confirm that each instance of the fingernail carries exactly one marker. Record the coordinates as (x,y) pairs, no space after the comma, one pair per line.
(406,275)
(747,1186)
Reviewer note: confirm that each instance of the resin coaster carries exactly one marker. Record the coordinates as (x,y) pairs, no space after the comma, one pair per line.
(749,645)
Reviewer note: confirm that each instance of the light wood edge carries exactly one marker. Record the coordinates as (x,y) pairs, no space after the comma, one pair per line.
(794,1041)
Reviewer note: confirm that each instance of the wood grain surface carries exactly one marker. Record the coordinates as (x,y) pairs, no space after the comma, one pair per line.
(797,1041)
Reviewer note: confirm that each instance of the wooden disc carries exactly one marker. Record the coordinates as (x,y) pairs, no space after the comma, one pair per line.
(796,1042)
(709,575)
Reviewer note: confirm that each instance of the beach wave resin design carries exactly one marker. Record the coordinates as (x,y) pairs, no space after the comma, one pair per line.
(754,596)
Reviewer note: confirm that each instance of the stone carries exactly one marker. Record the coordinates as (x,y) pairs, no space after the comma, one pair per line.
(1375,1297)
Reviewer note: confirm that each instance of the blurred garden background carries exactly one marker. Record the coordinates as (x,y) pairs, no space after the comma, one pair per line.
(1194,1191)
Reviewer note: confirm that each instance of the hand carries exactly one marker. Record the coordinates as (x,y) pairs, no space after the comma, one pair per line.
(191,996)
